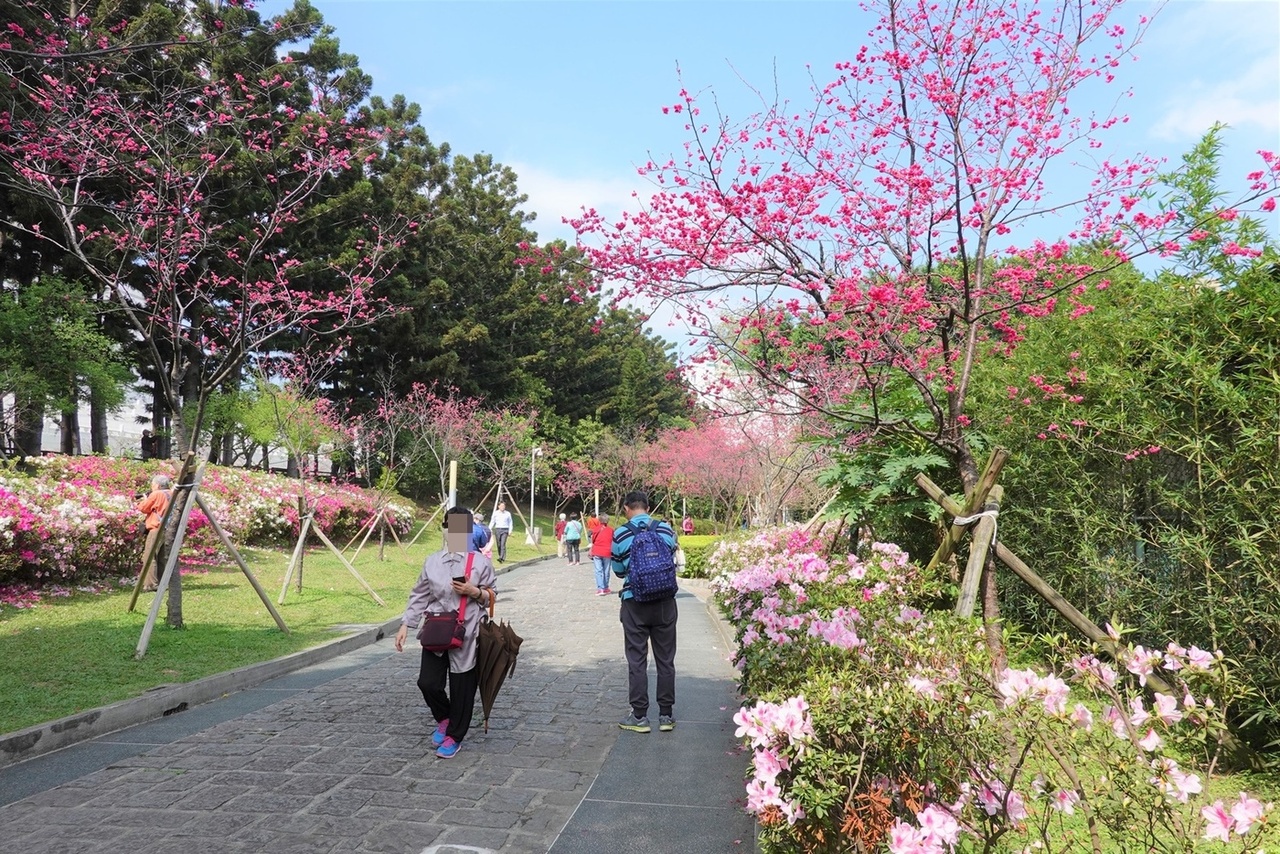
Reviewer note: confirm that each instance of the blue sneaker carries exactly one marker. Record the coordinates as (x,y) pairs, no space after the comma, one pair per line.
(437,737)
(448,748)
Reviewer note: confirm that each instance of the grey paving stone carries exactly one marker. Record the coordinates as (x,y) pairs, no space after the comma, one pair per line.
(346,765)
(401,836)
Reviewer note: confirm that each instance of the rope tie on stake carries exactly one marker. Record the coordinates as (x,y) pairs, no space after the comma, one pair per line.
(969,520)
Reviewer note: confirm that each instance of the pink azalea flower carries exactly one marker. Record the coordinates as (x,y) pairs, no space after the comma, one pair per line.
(1166,709)
(1217,822)
(1064,801)
(1151,741)
(1246,812)
(936,823)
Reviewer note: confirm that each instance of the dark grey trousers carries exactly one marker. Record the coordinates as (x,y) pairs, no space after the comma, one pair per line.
(646,624)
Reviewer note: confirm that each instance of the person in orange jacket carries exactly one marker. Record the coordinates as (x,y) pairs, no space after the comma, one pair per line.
(155,505)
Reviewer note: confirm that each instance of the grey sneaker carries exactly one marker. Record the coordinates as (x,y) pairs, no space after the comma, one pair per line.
(666,723)
(635,724)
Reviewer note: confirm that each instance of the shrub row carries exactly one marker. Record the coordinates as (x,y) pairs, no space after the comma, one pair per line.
(72,519)
(876,724)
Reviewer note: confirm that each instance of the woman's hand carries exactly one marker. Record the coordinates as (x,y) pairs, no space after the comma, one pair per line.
(465,588)
(400,637)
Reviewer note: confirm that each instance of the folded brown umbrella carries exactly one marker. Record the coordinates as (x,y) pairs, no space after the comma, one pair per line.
(498,647)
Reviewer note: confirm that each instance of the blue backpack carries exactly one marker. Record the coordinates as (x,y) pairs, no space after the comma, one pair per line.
(651,572)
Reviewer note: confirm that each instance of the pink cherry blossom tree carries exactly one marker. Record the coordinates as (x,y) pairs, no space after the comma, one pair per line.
(504,442)
(425,424)
(861,253)
(577,480)
(175,194)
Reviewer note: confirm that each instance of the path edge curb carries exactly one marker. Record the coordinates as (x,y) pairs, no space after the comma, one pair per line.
(49,736)
(44,738)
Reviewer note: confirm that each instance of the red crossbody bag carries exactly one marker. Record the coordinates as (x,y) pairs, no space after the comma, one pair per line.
(443,632)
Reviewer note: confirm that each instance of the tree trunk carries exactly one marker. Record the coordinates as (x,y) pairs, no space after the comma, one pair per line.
(991,616)
(98,441)
(28,428)
(70,440)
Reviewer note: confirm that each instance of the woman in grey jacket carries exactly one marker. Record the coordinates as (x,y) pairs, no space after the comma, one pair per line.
(443,587)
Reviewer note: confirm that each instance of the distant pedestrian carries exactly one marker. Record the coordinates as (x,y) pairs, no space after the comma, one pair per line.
(560,523)
(480,535)
(646,624)
(150,446)
(155,505)
(601,552)
(501,524)
(573,539)
(440,591)
(687,525)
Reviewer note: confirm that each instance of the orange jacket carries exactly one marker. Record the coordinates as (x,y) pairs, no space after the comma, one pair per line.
(154,506)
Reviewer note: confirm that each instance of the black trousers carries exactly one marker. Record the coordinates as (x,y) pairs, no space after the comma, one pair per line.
(459,703)
(645,625)
(500,545)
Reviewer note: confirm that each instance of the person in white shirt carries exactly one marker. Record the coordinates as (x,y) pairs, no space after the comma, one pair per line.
(500,524)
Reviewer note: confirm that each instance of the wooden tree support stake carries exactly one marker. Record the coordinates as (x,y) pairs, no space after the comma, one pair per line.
(426,524)
(980,544)
(307,525)
(974,500)
(1238,753)
(244,567)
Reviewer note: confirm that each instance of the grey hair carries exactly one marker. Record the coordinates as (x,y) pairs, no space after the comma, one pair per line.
(161,481)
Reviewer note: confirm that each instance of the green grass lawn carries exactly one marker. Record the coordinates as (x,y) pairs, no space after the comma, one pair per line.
(77,653)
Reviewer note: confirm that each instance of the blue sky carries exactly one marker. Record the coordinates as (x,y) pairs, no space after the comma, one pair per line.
(569,94)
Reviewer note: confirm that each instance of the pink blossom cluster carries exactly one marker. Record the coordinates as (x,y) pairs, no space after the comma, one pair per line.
(779,733)
(1017,685)
(75,518)
(1242,816)
(936,832)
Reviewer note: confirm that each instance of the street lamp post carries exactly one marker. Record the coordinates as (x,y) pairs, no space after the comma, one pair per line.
(533,463)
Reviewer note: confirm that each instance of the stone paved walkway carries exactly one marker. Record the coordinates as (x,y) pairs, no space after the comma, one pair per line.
(347,765)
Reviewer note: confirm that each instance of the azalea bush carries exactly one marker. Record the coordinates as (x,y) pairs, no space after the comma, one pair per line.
(875,724)
(73,519)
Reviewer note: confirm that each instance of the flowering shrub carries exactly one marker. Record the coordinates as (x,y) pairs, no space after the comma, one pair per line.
(879,726)
(74,519)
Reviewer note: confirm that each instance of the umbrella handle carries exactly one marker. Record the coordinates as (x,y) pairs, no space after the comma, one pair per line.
(493,597)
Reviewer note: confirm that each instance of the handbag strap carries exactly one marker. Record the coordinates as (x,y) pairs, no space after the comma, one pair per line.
(462,609)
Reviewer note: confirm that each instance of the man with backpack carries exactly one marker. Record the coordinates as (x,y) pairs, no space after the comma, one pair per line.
(644,558)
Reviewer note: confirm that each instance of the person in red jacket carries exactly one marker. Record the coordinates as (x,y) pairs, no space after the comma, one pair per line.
(601,548)
(560,523)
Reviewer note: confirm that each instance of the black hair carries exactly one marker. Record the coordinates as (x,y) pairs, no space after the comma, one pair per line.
(636,501)
(455,510)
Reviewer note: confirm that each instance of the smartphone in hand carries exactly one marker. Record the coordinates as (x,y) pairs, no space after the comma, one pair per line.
(461,579)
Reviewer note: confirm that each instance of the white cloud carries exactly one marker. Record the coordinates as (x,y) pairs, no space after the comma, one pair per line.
(1215,62)
(555,196)
(1250,100)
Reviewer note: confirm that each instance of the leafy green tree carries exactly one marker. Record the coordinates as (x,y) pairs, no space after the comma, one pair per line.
(53,353)
(1143,482)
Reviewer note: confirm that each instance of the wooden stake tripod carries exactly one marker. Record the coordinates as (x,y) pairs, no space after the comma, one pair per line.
(981,510)
(308,524)
(193,498)
(379,519)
